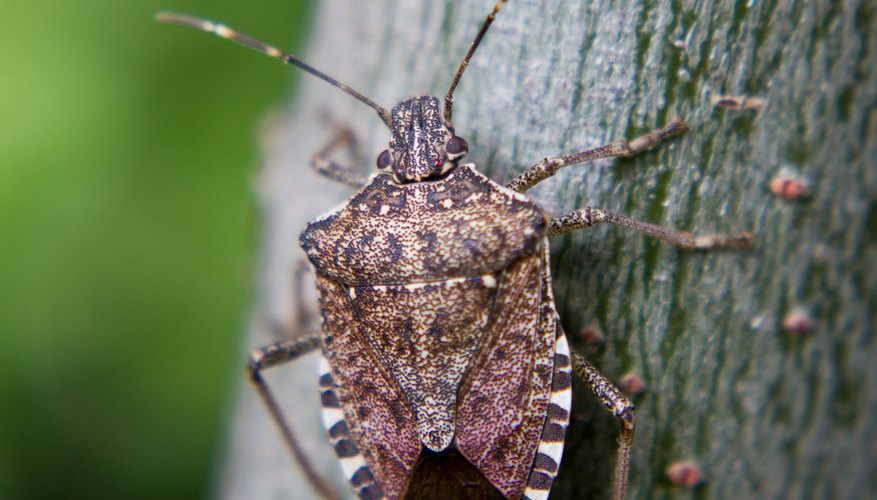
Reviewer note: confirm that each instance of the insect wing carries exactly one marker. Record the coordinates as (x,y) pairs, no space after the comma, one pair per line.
(505,399)
(377,416)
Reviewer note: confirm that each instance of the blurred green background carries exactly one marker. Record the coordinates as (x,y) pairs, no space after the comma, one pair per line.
(127,229)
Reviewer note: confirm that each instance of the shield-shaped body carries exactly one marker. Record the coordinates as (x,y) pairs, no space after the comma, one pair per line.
(446,372)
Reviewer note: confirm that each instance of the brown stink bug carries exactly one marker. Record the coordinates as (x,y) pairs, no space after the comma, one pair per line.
(446,373)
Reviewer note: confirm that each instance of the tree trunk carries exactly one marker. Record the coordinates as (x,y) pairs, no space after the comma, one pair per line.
(766,413)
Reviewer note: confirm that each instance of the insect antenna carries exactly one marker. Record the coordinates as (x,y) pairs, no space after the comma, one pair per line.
(230,34)
(449,99)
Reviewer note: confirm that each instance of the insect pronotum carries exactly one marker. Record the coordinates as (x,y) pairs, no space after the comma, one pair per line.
(446,372)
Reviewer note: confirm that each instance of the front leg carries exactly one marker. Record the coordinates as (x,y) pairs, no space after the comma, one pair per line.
(343,138)
(549,166)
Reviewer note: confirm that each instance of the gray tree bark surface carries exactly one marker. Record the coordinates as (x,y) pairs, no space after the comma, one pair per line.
(765,413)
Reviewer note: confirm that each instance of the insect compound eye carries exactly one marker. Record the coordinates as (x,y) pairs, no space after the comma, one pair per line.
(385,161)
(456,147)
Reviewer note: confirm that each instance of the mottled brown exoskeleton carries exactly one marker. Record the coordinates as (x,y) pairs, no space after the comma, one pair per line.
(446,373)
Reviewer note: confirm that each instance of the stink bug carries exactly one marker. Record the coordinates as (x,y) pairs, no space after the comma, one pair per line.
(446,372)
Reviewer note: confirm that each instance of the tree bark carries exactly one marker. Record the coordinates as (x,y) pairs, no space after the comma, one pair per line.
(765,413)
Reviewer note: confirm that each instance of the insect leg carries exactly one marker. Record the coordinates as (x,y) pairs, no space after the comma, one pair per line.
(549,166)
(587,217)
(621,408)
(340,173)
(276,354)
(292,345)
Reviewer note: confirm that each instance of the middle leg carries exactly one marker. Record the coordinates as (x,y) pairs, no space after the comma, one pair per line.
(343,138)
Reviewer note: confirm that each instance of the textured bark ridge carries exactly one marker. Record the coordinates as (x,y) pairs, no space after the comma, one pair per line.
(765,413)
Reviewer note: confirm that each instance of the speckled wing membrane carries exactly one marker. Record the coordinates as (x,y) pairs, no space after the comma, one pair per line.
(519,457)
(377,413)
(504,401)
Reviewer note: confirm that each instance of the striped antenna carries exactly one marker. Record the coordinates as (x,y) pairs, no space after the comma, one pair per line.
(230,34)
(449,99)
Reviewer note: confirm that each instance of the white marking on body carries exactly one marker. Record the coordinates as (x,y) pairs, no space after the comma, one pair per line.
(331,416)
(352,464)
(325,369)
(536,494)
(273,52)
(447,203)
(352,293)
(563,398)
(385,209)
(552,449)
(488,280)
